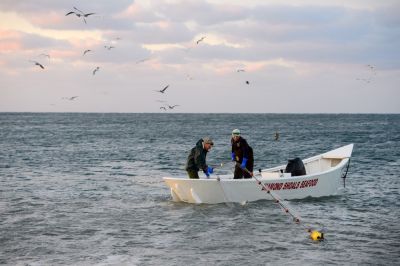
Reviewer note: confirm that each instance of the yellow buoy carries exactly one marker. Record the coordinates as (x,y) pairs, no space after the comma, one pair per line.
(316,236)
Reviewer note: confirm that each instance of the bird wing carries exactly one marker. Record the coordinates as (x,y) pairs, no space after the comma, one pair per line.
(163,90)
(202,38)
(88,14)
(69,13)
(78,10)
(37,64)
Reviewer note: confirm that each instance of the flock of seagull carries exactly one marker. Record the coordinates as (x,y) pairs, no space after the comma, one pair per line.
(82,15)
(170,107)
(371,73)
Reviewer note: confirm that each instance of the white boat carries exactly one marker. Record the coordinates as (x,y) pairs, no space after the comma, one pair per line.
(325,174)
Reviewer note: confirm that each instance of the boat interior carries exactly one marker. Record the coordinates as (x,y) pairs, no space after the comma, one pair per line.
(312,165)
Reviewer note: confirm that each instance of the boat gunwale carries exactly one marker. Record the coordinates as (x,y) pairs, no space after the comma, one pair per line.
(344,160)
(334,168)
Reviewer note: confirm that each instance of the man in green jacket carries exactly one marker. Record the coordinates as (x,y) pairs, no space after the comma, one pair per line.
(196,160)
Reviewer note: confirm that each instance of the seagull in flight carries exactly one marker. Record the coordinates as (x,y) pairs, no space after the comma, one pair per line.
(70,98)
(247,82)
(201,39)
(108,47)
(372,68)
(79,14)
(86,51)
(240,70)
(95,70)
(173,106)
(163,90)
(366,80)
(142,60)
(37,64)
(163,108)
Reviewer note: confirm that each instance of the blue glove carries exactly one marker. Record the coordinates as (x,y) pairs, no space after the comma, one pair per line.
(233,156)
(243,165)
(210,170)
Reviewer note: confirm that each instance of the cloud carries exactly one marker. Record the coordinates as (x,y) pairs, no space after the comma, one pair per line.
(304,15)
(124,52)
(388,16)
(47,14)
(43,6)
(161,32)
(38,42)
(202,12)
(282,45)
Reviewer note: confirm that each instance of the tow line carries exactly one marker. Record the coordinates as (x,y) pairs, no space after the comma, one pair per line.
(314,234)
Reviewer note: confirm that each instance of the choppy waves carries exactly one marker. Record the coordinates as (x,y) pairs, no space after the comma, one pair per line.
(79,189)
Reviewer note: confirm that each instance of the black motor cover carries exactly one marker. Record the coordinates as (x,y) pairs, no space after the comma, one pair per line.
(295,167)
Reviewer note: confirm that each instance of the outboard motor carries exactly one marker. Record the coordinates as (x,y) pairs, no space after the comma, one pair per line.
(295,167)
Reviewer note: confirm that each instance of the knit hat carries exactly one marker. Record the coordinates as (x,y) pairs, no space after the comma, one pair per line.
(236,132)
(208,140)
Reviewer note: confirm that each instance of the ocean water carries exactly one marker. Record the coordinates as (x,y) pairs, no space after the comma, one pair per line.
(87,189)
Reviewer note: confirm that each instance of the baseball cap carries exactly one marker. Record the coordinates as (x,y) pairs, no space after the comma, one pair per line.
(236,132)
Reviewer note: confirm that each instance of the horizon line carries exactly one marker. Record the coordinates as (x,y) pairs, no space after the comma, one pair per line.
(158,113)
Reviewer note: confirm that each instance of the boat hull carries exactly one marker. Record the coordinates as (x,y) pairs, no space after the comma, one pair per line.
(226,189)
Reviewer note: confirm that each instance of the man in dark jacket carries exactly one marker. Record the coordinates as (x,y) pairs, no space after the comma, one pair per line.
(196,160)
(242,154)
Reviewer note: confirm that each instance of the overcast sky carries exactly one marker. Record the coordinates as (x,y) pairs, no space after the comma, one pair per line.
(305,56)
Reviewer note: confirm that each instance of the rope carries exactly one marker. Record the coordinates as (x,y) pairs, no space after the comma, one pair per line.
(345,174)
(284,206)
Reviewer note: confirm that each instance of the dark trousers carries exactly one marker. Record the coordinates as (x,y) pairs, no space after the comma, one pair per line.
(241,173)
(193,174)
